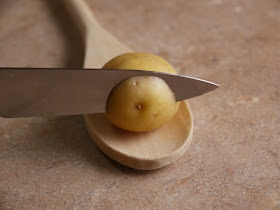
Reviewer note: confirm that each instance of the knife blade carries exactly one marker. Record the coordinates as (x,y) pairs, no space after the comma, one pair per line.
(34,92)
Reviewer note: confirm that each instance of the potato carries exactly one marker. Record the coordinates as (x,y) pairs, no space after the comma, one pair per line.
(141,103)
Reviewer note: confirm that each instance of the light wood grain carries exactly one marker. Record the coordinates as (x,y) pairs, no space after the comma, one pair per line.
(148,150)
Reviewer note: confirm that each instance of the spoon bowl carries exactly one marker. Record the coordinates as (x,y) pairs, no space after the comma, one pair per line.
(146,150)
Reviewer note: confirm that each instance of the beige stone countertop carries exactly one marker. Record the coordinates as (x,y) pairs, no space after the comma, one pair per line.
(234,159)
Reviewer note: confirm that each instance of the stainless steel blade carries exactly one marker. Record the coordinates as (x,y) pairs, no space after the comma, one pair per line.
(57,92)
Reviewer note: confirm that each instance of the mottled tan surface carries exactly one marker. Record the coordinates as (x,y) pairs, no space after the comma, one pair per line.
(234,159)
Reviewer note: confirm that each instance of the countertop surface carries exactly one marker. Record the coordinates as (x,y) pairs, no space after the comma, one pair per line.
(234,159)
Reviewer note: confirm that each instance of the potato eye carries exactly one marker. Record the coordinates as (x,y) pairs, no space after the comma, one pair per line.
(139,106)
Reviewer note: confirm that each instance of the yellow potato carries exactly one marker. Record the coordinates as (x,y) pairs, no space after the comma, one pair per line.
(141,103)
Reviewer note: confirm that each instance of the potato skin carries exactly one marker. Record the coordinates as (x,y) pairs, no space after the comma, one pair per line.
(141,103)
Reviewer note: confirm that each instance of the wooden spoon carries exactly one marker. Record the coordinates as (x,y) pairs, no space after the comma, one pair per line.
(147,150)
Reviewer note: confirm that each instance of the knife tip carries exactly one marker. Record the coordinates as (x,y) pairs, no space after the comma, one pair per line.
(212,86)
(216,85)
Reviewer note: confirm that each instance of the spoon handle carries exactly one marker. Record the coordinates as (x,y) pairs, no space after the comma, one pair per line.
(82,14)
(100,45)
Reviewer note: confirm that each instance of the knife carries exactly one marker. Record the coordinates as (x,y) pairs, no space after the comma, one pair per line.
(34,92)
